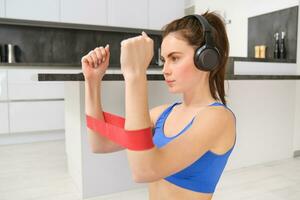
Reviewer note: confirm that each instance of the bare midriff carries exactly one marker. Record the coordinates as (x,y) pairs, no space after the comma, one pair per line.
(164,190)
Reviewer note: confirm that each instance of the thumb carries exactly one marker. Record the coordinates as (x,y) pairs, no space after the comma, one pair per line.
(107,53)
(144,34)
(148,39)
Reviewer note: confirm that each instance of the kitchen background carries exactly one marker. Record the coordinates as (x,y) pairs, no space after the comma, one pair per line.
(37,130)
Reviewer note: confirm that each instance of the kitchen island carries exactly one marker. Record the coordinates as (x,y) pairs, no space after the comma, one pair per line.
(265,107)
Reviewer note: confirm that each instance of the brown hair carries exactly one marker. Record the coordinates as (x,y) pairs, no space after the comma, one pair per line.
(190,29)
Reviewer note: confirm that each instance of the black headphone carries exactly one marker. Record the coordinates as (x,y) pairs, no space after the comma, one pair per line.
(206,57)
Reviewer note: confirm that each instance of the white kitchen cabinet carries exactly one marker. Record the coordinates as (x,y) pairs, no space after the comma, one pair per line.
(3,85)
(84,11)
(36,116)
(44,10)
(2,8)
(4,118)
(162,12)
(23,85)
(129,13)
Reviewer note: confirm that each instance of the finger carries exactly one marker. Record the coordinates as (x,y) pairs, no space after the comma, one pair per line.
(107,53)
(148,39)
(106,48)
(144,34)
(124,42)
(93,55)
(103,53)
(89,60)
(84,59)
(99,55)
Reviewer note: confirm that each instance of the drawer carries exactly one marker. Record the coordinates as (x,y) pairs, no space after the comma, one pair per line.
(23,84)
(30,75)
(3,85)
(43,90)
(36,116)
(4,118)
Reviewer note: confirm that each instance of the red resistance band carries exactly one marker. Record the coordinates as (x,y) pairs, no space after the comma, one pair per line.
(113,128)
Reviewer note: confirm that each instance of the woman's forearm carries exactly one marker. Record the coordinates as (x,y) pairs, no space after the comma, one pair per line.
(93,108)
(93,105)
(136,103)
(138,117)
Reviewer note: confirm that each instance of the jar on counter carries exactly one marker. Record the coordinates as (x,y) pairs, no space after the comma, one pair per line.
(262,51)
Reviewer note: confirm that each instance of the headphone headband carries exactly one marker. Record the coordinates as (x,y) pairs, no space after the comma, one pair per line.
(206,27)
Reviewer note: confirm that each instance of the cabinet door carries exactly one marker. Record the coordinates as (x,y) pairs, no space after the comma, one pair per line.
(4,118)
(44,10)
(23,85)
(36,116)
(129,13)
(2,8)
(84,11)
(3,85)
(163,12)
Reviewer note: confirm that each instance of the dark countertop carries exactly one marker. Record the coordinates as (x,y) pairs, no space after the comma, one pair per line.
(59,65)
(22,22)
(158,76)
(248,59)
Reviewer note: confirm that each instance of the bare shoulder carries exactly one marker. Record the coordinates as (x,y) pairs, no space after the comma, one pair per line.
(219,122)
(216,115)
(155,112)
(220,113)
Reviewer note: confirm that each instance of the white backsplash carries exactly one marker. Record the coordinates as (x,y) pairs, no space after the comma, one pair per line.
(264,68)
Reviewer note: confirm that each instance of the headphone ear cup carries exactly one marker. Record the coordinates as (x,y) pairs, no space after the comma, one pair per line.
(206,58)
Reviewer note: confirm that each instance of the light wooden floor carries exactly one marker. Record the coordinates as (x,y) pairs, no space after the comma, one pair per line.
(38,171)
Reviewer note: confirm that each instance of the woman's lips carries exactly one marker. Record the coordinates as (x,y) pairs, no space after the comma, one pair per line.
(170,81)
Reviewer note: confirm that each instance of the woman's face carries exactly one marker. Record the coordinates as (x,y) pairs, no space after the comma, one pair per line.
(179,70)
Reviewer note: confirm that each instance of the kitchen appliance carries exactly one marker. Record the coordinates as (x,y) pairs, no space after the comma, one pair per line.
(11,57)
(9,54)
(1,53)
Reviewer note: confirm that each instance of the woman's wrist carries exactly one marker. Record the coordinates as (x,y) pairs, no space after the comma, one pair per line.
(133,77)
(92,83)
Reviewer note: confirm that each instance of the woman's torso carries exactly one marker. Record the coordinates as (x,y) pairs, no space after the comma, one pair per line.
(175,122)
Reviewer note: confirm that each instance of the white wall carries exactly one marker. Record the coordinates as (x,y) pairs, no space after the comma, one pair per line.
(298,43)
(297,110)
(188,3)
(2,6)
(296,138)
(264,111)
(237,30)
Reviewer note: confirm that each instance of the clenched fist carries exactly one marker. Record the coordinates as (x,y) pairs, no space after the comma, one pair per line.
(136,55)
(95,63)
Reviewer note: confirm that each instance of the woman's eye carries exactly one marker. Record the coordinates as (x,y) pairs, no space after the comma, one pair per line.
(174,59)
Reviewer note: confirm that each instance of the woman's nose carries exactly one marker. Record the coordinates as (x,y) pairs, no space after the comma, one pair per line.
(166,69)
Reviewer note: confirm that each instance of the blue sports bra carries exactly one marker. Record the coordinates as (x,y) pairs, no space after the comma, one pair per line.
(204,174)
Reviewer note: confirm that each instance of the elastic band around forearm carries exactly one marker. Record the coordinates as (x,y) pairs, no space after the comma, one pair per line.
(131,139)
(114,119)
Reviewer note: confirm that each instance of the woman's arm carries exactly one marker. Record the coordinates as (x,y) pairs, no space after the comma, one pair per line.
(93,107)
(94,65)
(154,164)
(208,128)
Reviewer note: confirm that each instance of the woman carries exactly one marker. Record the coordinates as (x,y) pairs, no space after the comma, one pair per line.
(192,138)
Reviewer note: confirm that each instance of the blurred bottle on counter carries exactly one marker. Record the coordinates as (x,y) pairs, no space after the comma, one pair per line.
(282,48)
(8,53)
(262,51)
(1,53)
(11,57)
(276,46)
(256,51)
